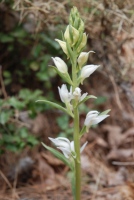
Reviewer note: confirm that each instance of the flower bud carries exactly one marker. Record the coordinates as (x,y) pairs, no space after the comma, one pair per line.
(75,20)
(63,46)
(83,43)
(87,71)
(83,57)
(60,64)
(71,35)
(77,94)
(67,35)
(65,95)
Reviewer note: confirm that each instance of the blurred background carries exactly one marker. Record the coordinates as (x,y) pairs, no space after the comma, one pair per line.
(27,32)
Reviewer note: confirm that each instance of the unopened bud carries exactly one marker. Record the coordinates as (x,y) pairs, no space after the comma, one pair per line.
(60,64)
(83,57)
(83,43)
(63,46)
(71,35)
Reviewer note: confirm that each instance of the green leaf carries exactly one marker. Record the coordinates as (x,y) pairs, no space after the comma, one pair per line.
(6,38)
(23,132)
(66,76)
(83,130)
(58,155)
(5,116)
(100,100)
(86,98)
(70,52)
(105,112)
(16,104)
(56,106)
(29,95)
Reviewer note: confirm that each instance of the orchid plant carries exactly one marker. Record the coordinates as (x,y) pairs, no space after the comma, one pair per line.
(73,42)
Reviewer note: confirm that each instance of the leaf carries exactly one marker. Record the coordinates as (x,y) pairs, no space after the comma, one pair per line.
(100,100)
(70,52)
(5,116)
(86,98)
(58,155)
(55,105)
(16,104)
(83,130)
(6,38)
(105,112)
(66,76)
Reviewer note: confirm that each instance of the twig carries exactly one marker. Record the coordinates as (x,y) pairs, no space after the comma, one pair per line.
(123,163)
(116,93)
(5,179)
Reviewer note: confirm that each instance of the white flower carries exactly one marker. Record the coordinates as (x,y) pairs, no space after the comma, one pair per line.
(87,71)
(77,94)
(94,117)
(65,95)
(66,146)
(60,64)
(83,57)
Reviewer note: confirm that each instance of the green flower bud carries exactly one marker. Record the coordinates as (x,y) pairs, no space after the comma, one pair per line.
(83,43)
(83,57)
(75,20)
(71,35)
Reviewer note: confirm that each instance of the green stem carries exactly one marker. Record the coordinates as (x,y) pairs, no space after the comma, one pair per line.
(76,138)
(77,150)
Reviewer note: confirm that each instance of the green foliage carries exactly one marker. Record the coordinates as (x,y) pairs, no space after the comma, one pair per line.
(100,100)
(63,123)
(13,133)
(24,59)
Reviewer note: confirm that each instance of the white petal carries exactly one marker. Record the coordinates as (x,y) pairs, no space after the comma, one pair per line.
(88,70)
(65,151)
(61,142)
(90,116)
(83,146)
(60,64)
(83,96)
(54,141)
(72,146)
(99,119)
(63,92)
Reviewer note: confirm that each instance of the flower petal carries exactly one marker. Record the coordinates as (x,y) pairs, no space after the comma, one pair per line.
(65,151)
(83,146)
(60,64)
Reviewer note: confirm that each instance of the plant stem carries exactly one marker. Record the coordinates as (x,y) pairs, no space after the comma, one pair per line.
(76,138)
(77,150)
